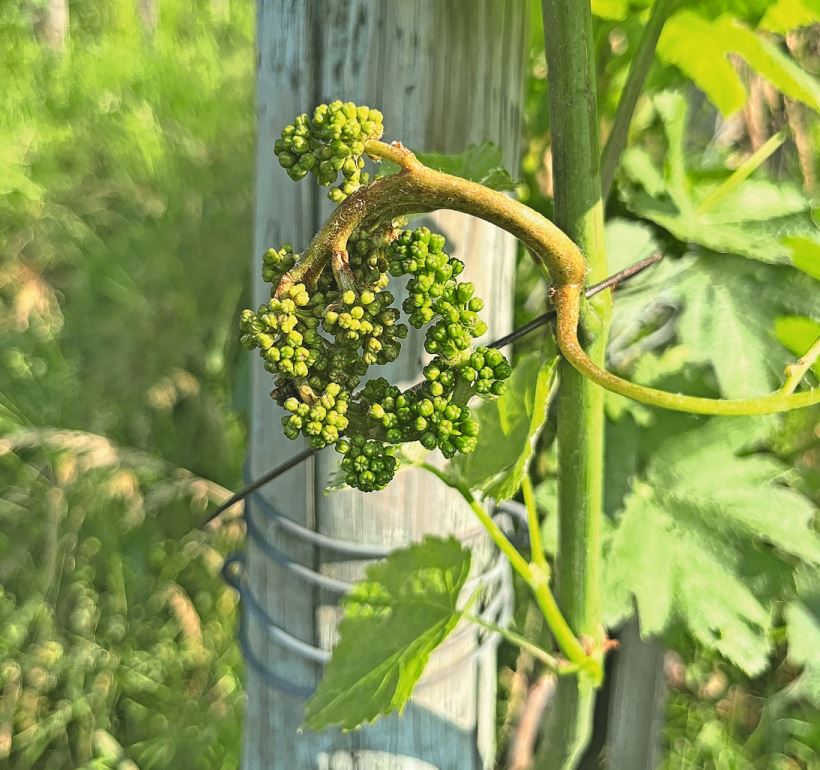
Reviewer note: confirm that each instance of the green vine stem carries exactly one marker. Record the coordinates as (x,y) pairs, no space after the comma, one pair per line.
(641,62)
(796,371)
(567,642)
(539,558)
(417,188)
(579,212)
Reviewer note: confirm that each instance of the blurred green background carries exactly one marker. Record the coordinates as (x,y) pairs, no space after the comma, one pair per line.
(126,179)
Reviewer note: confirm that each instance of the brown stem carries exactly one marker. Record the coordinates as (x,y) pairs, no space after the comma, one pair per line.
(421,188)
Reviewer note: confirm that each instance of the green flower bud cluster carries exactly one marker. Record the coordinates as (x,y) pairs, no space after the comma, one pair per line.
(276,263)
(322,422)
(419,415)
(280,330)
(329,142)
(342,365)
(367,256)
(486,370)
(367,465)
(367,321)
(319,339)
(434,292)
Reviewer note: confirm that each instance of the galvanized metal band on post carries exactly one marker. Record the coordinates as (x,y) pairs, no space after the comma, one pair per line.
(497,579)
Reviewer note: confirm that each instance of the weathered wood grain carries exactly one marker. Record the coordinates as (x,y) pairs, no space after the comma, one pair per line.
(445,74)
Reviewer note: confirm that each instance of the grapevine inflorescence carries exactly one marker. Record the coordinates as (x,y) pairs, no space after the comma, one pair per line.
(331,141)
(319,338)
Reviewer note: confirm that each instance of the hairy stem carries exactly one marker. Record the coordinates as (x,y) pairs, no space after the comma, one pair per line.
(642,61)
(418,188)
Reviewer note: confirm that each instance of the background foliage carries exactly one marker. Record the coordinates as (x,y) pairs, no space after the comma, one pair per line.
(125,209)
(126,179)
(698,509)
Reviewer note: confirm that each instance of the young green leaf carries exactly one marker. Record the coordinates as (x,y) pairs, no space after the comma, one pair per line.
(753,220)
(687,531)
(394,619)
(798,334)
(805,253)
(479,163)
(700,47)
(614,10)
(508,429)
(730,307)
(783,16)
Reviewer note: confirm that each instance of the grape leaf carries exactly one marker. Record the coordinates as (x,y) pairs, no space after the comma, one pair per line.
(479,163)
(785,15)
(683,539)
(805,254)
(614,10)
(803,628)
(802,616)
(749,11)
(798,334)
(727,308)
(508,429)
(700,47)
(728,319)
(754,220)
(393,620)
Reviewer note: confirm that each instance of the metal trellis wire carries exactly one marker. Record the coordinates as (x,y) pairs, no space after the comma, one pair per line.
(496,581)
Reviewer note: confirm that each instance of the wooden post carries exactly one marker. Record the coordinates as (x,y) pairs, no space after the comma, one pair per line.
(636,703)
(54,24)
(148,13)
(445,74)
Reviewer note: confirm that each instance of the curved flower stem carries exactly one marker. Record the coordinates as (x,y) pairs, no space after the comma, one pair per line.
(567,298)
(419,188)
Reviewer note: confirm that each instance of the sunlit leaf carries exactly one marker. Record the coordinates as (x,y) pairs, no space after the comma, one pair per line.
(802,616)
(753,220)
(394,619)
(614,10)
(805,253)
(700,47)
(685,533)
(785,15)
(478,163)
(798,334)
(508,429)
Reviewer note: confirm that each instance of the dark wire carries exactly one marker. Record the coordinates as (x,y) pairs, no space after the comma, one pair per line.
(291,462)
(612,282)
(607,283)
